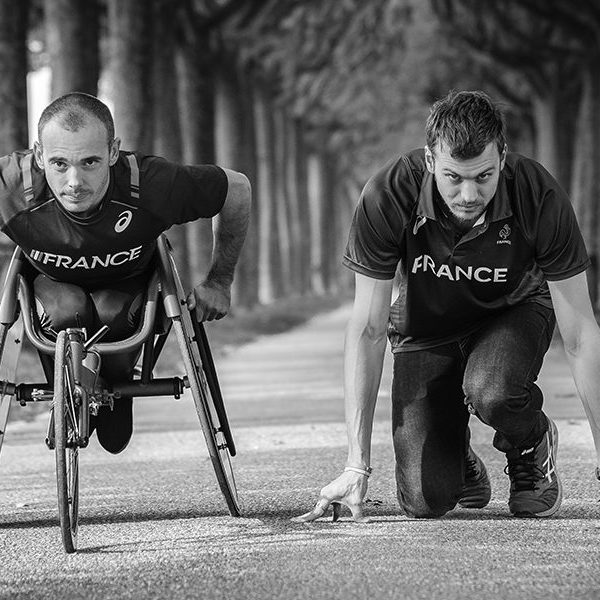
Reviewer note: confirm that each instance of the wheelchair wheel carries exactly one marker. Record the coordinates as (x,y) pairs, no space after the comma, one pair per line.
(66,423)
(212,426)
(10,349)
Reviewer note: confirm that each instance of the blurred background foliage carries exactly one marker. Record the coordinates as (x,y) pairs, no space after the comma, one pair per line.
(308,98)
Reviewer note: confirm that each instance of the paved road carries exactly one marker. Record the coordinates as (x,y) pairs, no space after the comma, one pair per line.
(154,525)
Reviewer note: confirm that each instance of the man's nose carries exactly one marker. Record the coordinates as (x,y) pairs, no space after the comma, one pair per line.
(74,179)
(468,191)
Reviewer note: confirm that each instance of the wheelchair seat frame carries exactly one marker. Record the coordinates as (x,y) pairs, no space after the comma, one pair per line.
(76,391)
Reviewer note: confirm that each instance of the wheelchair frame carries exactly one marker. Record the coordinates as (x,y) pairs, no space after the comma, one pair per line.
(75,390)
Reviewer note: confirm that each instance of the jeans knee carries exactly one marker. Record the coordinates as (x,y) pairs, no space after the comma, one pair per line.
(497,401)
(418,507)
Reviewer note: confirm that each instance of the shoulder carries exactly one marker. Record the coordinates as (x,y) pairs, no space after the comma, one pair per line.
(11,170)
(17,171)
(528,175)
(396,186)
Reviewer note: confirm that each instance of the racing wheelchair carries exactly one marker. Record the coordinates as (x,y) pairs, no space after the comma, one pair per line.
(75,391)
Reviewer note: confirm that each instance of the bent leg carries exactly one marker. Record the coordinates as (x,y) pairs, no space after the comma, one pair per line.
(504,360)
(429,421)
(120,307)
(60,305)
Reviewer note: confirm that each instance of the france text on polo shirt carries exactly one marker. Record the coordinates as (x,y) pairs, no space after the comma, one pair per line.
(527,236)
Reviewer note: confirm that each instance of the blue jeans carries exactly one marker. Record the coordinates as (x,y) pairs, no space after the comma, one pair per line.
(490,373)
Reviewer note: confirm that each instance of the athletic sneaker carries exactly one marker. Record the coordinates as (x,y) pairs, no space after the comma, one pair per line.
(114,427)
(476,491)
(535,487)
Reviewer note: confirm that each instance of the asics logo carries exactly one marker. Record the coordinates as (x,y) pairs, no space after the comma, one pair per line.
(548,464)
(124,220)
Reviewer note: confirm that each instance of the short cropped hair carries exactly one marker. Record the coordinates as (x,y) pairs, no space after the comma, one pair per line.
(465,122)
(73,111)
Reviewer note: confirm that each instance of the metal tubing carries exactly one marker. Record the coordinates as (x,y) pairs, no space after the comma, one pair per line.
(130,343)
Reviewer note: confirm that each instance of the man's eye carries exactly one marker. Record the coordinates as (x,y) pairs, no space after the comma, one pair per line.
(452,177)
(484,177)
(59,165)
(91,162)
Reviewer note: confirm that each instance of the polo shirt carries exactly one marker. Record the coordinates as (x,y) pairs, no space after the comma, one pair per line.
(449,284)
(145,197)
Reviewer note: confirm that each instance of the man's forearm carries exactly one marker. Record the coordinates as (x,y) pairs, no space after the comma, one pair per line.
(231,225)
(585,365)
(363,364)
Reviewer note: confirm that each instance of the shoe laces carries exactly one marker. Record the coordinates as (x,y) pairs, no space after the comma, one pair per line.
(523,471)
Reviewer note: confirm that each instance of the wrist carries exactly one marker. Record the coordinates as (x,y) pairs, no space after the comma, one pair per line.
(362,470)
(222,280)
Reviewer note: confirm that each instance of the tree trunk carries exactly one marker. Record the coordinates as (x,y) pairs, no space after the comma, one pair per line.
(127,82)
(234,146)
(316,192)
(300,173)
(282,203)
(167,128)
(545,116)
(246,279)
(585,183)
(196,90)
(268,263)
(13,87)
(293,194)
(13,76)
(72,38)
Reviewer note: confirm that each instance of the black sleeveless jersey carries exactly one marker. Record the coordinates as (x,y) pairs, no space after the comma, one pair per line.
(146,196)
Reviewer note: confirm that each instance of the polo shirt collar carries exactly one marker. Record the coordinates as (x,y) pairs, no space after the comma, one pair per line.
(499,208)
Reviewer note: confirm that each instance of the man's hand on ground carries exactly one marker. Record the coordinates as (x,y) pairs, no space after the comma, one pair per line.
(210,299)
(348,489)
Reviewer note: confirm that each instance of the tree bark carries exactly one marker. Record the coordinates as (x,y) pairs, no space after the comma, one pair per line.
(316,192)
(127,82)
(545,116)
(72,39)
(13,76)
(282,204)
(167,127)
(268,260)
(585,185)
(300,172)
(13,87)
(196,90)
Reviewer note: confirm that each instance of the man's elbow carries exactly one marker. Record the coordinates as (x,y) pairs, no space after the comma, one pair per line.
(240,189)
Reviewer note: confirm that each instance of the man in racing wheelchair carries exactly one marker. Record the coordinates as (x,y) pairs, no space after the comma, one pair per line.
(87,215)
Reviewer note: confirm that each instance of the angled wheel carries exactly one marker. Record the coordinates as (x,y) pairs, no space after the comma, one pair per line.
(10,349)
(209,404)
(216,441)
(67,407)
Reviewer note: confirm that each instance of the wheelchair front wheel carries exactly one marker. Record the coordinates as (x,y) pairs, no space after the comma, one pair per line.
(67,409)
(212,428)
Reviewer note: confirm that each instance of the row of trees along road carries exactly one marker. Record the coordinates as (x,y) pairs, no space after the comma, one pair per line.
(308,98)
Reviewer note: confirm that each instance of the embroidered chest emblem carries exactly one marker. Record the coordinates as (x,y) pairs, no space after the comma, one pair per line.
(504,234)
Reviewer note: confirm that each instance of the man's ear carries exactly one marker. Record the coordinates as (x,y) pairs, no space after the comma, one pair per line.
(503,156)
(114,151)
(38,154)
(429,161)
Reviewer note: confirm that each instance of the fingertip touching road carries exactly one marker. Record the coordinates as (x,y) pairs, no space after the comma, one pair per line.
(154,525)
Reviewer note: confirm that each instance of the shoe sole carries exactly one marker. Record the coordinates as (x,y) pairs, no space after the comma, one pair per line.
(553,431)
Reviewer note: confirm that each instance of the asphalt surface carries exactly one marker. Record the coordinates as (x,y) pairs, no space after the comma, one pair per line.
(154,525)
